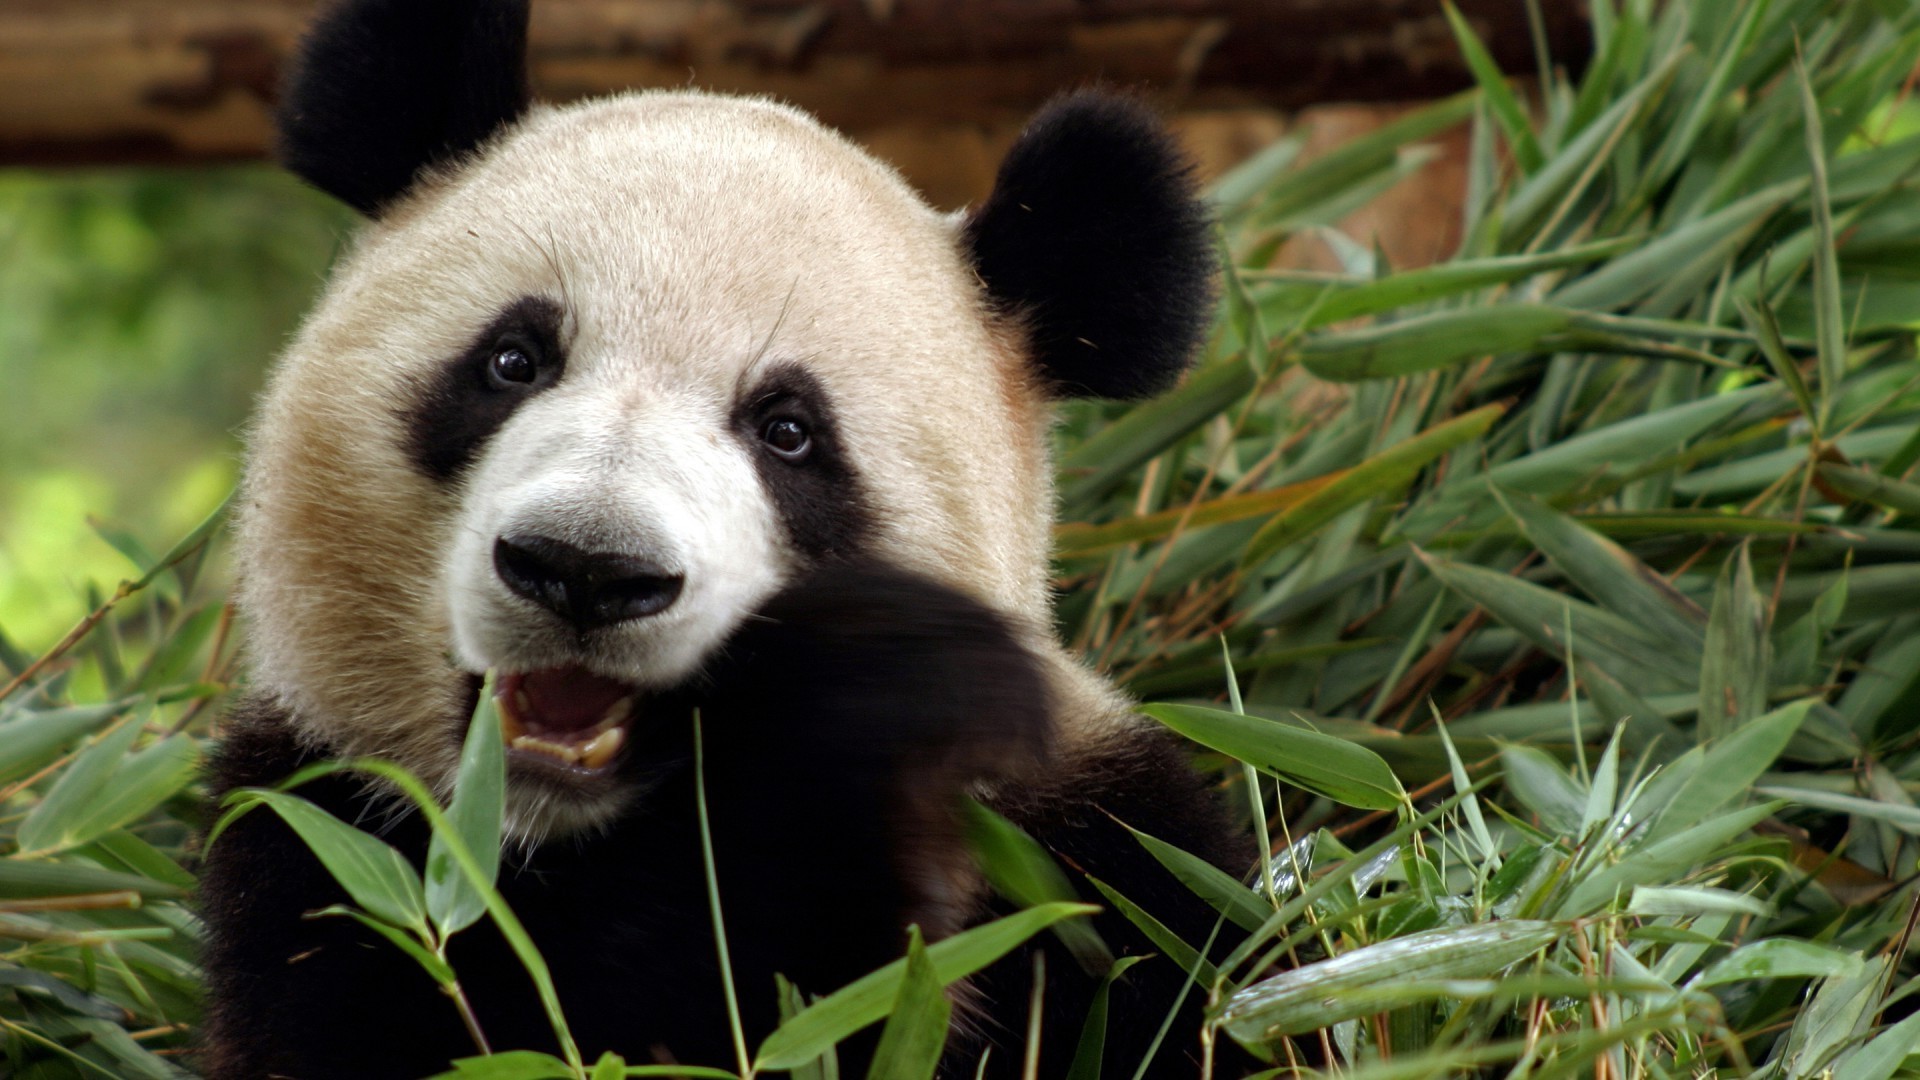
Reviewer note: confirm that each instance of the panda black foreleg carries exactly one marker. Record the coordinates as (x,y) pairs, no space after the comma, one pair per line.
(842,728)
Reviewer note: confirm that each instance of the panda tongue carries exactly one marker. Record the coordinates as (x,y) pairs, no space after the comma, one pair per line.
(565,700)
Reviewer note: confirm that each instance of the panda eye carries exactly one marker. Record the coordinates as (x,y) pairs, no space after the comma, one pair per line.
(512,364)
(788,439)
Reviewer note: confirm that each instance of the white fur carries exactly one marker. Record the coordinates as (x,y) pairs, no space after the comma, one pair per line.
(688,237)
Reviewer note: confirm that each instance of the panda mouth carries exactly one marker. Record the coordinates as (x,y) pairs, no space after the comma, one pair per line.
(567,716)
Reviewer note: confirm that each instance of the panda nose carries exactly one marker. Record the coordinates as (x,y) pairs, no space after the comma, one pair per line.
(589,589)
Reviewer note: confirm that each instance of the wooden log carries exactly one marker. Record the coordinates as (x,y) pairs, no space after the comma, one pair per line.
(166,81)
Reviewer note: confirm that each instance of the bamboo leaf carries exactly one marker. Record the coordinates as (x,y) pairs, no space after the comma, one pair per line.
(1616,646)
(1332,767)
(916,1030)
(1384,474)
(1499,96)
(1437,340)
(377,878)
(819,1026)
(1021,870)
(1308,998)
(1733,676)
(1606,572)
(479,800)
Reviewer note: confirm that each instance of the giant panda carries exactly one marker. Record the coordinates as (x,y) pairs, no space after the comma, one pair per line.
(666,402)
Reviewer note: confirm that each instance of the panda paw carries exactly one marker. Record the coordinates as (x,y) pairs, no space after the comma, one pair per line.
(876,667)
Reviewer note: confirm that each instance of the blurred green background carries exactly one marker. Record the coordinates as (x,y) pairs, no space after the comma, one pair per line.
(139,310)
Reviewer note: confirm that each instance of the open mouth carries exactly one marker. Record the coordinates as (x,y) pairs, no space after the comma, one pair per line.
(566,716)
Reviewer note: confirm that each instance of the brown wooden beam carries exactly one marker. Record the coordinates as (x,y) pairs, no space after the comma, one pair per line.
(165,81)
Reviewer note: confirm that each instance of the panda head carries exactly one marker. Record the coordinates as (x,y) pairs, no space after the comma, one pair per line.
(595,381)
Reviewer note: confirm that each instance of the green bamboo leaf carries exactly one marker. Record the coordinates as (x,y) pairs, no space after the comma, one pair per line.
(1330,299)
(1339,171)
(25,879)
(81,784)
(1733,676)
(406,942)
(479,800)
(1426,342)
(916,1030)
(1842,1006)
(1662,862)
(1746,475)
(1020,869)
(1184,956)
(1255,176)
(1601,638)
(1307,998)
(519,1065)
(1900,816)
(1335,768)
(1091,469)
(1499,95)
(1873,487)
(1073,539)
(1610,575)
(142,781)
(1683,137)
(1883,1055)
(1560,468)
(178,655)
(29,740)
(1644,727)
(1781,958)
(1384,474)
(1632,277)
(1541,784)
(377,878)
(1693,900)
(1887,677)
(1829,319)
(1570,169)
(1761,320)
(1088,1055)
(1224,892)
(818,1027)
(1726,769)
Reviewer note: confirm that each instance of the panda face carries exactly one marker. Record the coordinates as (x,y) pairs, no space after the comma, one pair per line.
(571,413)
(595,382)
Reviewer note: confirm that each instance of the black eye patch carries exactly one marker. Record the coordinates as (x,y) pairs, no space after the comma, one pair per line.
(788,425)
(459,407)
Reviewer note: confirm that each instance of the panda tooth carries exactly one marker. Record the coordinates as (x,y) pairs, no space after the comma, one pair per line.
(512,728)
(617,713)
(536,745)
(600,749)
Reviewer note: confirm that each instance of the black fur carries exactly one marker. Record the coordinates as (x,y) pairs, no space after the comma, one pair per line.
(382,88)
(840,731)
(461,406)
(1096,237)
(821,502)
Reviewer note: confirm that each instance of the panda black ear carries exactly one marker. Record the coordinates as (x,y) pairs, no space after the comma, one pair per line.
(382,88)
(1095,235)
